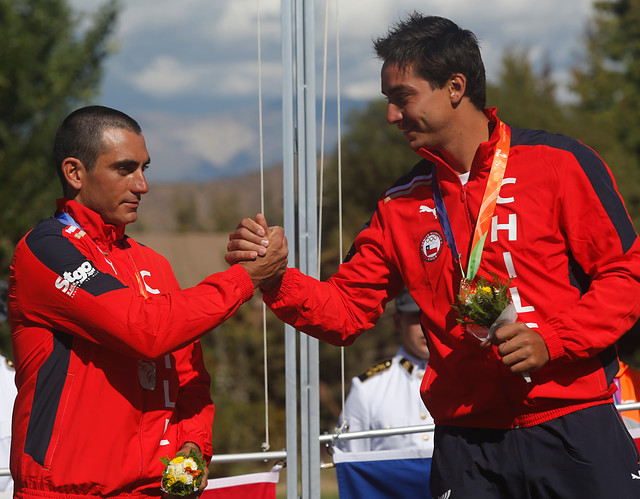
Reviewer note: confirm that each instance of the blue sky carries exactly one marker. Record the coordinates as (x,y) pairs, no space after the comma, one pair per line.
(188,70)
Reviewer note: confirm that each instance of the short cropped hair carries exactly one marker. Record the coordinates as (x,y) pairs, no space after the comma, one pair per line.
(80,135)
(436,48)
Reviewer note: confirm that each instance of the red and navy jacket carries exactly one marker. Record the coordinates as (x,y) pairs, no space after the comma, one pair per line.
(560,231)
(109,377)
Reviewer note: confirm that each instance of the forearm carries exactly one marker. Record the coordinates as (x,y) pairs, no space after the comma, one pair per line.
(336,311)
(118,317)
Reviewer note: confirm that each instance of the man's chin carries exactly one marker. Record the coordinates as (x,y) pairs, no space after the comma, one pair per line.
(127,219)
(131,218)
(413,142)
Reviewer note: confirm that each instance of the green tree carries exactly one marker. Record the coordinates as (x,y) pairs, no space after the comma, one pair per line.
(608,77)
(526,98)
(48,65)
(374,155)
(607,80)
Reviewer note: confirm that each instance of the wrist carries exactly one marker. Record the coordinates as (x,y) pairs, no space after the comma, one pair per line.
(187,447)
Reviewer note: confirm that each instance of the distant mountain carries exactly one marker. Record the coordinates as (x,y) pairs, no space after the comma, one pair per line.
(206,144)
(213,206)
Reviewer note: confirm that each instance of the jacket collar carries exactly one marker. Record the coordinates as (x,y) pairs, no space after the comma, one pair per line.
(484,154)
(91,222)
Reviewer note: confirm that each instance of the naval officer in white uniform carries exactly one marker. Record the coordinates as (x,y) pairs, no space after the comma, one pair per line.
(387,395)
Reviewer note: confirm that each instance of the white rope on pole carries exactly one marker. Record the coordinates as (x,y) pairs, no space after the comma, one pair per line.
(339,154)
(260,110)
(265,444)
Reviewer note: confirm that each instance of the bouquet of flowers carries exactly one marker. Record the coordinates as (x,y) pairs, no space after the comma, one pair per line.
(183,474)
(484,306)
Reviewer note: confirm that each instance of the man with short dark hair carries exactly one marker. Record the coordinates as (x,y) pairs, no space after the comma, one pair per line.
(527,412)
(110,378)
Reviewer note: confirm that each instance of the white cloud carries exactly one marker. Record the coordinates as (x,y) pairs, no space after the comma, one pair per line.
(166,76)
(242,80)
(203,55)
(181,146)
(215,141)
(205,48)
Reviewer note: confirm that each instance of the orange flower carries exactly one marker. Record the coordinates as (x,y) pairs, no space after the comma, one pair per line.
(192,472)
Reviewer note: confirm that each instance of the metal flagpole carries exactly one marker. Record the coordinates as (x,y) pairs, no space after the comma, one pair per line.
(299,142)
(289,152)
(299,131)
(308,242)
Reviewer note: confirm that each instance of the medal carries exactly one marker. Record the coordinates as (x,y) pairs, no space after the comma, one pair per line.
(487,207)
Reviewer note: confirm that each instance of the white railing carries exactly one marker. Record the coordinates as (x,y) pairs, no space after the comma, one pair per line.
(330,438)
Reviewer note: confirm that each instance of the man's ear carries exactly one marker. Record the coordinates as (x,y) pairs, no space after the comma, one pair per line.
(457,86)
(74,173)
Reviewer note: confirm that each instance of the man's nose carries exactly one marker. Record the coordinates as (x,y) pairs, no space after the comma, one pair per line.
(140,185)
(393,114)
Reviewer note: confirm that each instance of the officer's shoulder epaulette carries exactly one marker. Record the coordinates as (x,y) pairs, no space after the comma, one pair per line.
(375,369)
(407,364)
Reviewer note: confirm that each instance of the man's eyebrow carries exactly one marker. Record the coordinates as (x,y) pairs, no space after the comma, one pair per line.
(129,162)
(398,88)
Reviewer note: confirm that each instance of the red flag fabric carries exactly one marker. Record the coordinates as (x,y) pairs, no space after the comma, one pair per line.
(254,485)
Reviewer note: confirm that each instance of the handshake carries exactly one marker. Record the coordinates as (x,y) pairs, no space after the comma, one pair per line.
(260,249)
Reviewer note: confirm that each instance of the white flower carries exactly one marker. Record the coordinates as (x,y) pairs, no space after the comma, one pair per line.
(186,478)
(175,469)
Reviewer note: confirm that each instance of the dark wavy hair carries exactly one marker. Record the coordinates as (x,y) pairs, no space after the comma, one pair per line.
(436,48)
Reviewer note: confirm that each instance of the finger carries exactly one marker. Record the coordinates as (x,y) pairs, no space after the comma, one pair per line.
(252,226)
(244,245)
(262,221)
(244,234)
(240,256)
(205,480)
(502,335)
(510,331)
(248,234)
(523,366)
(513,359)
(508,347)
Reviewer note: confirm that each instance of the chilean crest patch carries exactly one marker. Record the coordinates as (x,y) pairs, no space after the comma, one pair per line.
(431,245)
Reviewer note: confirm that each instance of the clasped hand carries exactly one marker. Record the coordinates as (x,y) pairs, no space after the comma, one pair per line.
(260,249)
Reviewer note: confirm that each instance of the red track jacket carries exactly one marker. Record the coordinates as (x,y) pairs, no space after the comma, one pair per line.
(560,231)
(109,378)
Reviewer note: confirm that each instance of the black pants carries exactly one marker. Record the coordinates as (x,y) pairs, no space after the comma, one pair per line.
(587,454)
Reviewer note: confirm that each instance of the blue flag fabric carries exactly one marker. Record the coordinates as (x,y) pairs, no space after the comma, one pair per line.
(386,474)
